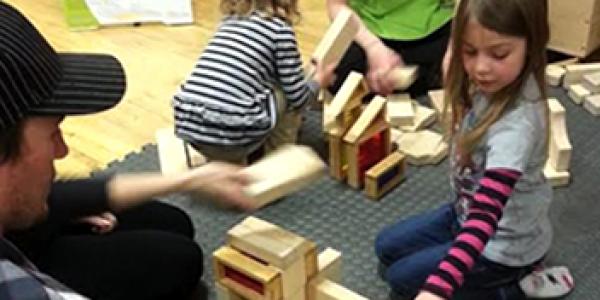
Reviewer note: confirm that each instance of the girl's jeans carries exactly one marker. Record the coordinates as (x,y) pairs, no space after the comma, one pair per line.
(412,249)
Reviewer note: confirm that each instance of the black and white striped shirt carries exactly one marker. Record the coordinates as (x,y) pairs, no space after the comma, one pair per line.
(229,98)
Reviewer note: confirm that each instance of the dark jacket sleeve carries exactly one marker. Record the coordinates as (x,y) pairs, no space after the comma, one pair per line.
(70,199)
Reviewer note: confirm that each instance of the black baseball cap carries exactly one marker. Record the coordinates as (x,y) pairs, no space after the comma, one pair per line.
(36,80)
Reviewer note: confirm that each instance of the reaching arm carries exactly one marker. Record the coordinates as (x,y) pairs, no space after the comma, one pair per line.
(219,181)
(381,59)
(72,199)
(495,188)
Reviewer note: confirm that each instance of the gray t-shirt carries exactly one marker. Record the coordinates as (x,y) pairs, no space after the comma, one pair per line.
(517,141)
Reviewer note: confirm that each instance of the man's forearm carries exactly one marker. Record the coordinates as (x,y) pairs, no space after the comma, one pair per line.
(127,190)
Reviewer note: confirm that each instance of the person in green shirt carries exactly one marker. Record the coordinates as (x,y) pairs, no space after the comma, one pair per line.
(394,33)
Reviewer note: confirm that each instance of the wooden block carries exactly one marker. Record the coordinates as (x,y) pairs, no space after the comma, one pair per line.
(559,150)
(282,172)
(385,175)
(224,293)
(330,265)
(577,93)
(554,74)
(268,242)
(337,164)
(374,109)
(404,76)
(591,82)
(246,276)
(424,117)
(423,147)
(574,73)
(293,278)
(299,295)
(311,260)
(400,111)
(336,40)
(356,168)
(323,101)
(347,98)
(329,290)
(556,178)
(437,102)
(329,268)
(174,155)
(592,104)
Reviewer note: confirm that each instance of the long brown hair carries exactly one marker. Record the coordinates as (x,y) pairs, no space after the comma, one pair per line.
(527,19)
(286,10)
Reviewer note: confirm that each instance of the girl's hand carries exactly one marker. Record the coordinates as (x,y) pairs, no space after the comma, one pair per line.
(102,223)
(427,296)
(222,183)
(381,60)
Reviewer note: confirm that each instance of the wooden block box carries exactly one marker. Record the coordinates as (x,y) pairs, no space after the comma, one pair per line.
(574,26)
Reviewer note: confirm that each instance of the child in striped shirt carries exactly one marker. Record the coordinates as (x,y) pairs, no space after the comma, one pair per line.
(248,86)
(497,228)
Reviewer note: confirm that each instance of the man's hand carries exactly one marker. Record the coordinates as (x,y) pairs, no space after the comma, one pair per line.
(102,223)
(427,296)
(222,182)
(381,60)
(324,74)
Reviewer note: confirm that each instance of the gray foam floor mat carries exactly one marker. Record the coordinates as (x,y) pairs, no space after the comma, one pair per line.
(334,215)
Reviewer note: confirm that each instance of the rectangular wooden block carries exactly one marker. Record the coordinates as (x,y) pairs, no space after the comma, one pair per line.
(246,276)
(337,162)
(559,152)
(577,93)
(329,290)
(336,40)
(554,75)
(591,82)
(282,172)
(174,155)
(267,242)
(348,98)
(385,175)
(400,111)
(424,117)
(574,74)
(592,104)
(375,108)
(556,178)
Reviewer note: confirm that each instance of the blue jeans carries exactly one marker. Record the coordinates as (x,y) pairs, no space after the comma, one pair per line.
(412,249)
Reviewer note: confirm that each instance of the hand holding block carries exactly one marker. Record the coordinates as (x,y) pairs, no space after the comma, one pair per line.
(282,172)
(403,76)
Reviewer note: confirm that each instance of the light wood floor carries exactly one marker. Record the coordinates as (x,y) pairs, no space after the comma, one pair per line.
(156,59)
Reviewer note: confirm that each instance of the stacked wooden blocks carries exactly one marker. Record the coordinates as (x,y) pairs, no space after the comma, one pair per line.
(582,82)
(262,261)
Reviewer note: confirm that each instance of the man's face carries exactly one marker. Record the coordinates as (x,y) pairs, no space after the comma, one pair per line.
(32,172)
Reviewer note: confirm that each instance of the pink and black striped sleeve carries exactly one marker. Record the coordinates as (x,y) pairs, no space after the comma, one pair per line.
(495,187)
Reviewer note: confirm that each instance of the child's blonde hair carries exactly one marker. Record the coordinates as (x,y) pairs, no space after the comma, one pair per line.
(284,9)
(527,19)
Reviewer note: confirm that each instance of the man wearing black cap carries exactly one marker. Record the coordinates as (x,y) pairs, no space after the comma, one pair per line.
(151,253)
